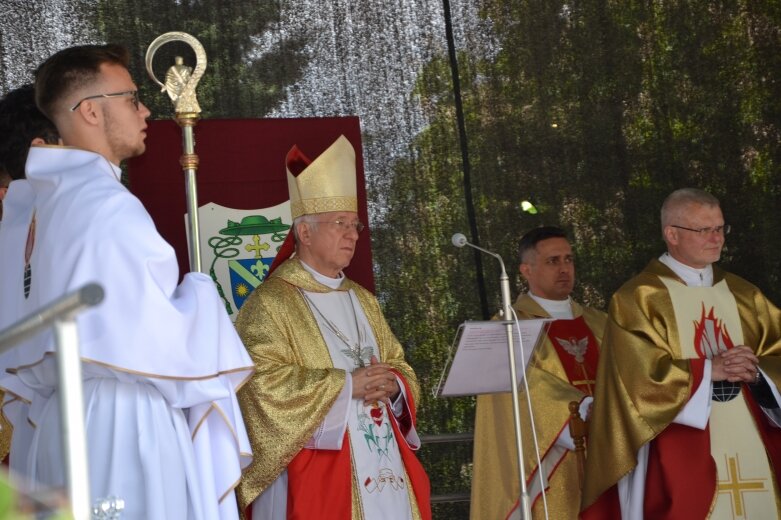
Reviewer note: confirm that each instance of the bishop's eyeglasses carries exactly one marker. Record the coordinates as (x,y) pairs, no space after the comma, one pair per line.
(707,231)
(344,225)
(133,93)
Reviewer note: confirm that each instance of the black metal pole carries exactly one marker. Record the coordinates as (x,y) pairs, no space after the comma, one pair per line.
(462,139)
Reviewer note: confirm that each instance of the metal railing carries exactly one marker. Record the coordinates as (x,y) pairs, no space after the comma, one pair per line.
(448,438)
(61,315)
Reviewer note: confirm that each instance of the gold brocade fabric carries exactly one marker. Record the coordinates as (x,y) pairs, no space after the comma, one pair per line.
(6,431)
(495,487)
(642,380)
(295,383)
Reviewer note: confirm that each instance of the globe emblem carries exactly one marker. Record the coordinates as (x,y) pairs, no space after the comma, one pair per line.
(724,391)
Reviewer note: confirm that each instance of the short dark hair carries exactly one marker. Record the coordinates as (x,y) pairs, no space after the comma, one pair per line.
(20,123)
(71,69)
(530,240)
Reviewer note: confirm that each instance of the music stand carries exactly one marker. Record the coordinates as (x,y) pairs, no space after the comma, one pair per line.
(482,347)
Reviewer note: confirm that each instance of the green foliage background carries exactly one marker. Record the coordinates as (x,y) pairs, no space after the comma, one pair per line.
(594,110)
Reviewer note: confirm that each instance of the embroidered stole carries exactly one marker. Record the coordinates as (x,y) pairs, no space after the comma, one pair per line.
(708,323)
(578,352)
(383,486)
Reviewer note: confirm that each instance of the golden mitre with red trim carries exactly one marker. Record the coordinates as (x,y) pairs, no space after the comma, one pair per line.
(325,184)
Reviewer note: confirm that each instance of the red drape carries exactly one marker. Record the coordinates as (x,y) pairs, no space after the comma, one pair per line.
(242,166)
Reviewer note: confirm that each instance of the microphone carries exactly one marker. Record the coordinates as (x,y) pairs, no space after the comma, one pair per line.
(459,240)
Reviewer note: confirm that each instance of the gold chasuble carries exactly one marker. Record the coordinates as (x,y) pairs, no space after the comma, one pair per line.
(555,376)
(708,324)
(658,335)
(6,432)
(293,389)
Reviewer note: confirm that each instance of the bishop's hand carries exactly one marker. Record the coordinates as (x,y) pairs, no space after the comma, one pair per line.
(375,383)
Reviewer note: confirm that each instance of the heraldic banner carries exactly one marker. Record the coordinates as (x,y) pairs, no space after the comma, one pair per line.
(244,208)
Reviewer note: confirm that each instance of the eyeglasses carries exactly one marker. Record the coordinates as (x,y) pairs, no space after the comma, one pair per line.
(343,225)
(706,231)
(133,93)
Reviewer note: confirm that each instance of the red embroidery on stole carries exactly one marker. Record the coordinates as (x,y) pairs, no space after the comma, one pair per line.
(578,352)
(711,336)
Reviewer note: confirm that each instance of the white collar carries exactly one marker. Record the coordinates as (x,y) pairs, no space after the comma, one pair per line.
(559,309)
(333,283)
(48,162)
(691,276)
(116,169)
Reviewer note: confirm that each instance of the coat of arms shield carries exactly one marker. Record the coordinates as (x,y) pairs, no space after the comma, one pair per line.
(238,247)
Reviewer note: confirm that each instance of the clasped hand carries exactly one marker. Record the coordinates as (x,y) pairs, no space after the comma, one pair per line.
(736,365)
(375,383)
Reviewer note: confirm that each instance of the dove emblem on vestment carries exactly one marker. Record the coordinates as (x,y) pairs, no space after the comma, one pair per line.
(576,347)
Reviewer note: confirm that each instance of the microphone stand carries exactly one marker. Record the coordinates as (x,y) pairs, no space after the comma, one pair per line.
(524,502)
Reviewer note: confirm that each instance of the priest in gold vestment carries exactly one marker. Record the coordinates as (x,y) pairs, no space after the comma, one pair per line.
(331,409)
(685,420)
(561,370)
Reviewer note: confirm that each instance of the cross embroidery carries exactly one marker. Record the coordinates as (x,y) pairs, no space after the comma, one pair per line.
(735,486)
(577,348)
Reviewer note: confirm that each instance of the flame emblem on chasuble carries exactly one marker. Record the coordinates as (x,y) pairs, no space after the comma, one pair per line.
(710,339)
(710,335)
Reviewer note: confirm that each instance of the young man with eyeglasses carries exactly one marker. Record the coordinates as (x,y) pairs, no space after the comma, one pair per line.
(686,416)
(161,362)
(331,408)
